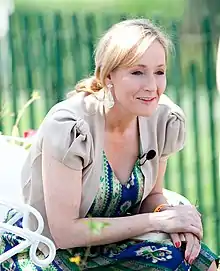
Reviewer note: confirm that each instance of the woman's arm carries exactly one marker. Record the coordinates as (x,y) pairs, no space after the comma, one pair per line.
(62,192)
(156,197)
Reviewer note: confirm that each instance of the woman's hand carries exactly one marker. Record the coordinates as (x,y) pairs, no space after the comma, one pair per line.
(193,245)
(181,218)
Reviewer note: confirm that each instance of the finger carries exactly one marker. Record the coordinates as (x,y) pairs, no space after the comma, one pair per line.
(195,251)
(189,245)
(176,239)
(197,211)
(195,230)
(197,224)
(182,237)
(196,216)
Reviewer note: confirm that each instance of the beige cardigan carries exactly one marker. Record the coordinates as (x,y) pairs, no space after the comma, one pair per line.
(74,131)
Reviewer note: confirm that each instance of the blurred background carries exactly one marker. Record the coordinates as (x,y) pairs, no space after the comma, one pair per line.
(49,47)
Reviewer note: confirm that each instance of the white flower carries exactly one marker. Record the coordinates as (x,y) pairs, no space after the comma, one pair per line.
(143,250)
(162,254)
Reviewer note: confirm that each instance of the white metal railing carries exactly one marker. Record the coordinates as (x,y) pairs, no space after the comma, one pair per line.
(31,238)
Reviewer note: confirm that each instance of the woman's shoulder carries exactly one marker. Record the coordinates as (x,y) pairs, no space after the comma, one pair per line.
(167,107)
(80,105)
(169,120)
(63,117)
(69,130)
(74,105)
(65,134)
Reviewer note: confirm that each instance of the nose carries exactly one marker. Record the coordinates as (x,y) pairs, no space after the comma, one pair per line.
(150,83)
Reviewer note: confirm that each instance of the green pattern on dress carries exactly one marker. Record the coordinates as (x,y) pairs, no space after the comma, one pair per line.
(109,200)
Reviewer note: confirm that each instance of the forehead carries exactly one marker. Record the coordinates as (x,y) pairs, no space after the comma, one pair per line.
(155,55)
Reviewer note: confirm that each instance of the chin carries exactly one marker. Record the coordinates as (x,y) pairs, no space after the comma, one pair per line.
(146,112)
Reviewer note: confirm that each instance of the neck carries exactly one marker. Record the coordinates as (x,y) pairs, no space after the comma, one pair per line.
(118,121)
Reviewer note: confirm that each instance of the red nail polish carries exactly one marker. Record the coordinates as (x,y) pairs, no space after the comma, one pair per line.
(177,244)
(187,258)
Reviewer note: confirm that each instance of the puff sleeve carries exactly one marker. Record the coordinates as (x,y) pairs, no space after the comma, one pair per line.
(67,138)
(175,133)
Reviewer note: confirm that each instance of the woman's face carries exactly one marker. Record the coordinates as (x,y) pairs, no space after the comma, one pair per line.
(137,89)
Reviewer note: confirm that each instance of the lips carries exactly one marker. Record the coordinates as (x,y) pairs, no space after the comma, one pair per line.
(147,99)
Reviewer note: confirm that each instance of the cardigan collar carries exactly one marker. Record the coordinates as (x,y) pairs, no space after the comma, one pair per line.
(94,105)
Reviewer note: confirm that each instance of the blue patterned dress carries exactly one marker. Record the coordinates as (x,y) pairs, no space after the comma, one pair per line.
(113,200)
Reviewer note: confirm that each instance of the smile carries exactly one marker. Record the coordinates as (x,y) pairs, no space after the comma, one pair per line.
(147,100)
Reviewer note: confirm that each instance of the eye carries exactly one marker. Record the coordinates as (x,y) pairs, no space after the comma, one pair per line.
(160,72)
(137,73)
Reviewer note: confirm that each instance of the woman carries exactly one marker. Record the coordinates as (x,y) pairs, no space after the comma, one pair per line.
(100,157)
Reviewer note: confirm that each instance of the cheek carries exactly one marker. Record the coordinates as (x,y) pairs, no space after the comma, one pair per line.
(161,85)
(129,81)
(126,87)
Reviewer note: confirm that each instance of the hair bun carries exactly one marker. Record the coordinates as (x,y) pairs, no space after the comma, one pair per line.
(91,84)
(95,84)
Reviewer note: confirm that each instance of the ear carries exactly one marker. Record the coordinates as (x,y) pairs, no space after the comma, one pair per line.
(108,80)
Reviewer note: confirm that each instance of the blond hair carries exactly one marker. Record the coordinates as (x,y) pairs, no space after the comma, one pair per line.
(122,45)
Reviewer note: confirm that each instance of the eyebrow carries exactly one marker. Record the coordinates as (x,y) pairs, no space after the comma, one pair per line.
(144,66)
